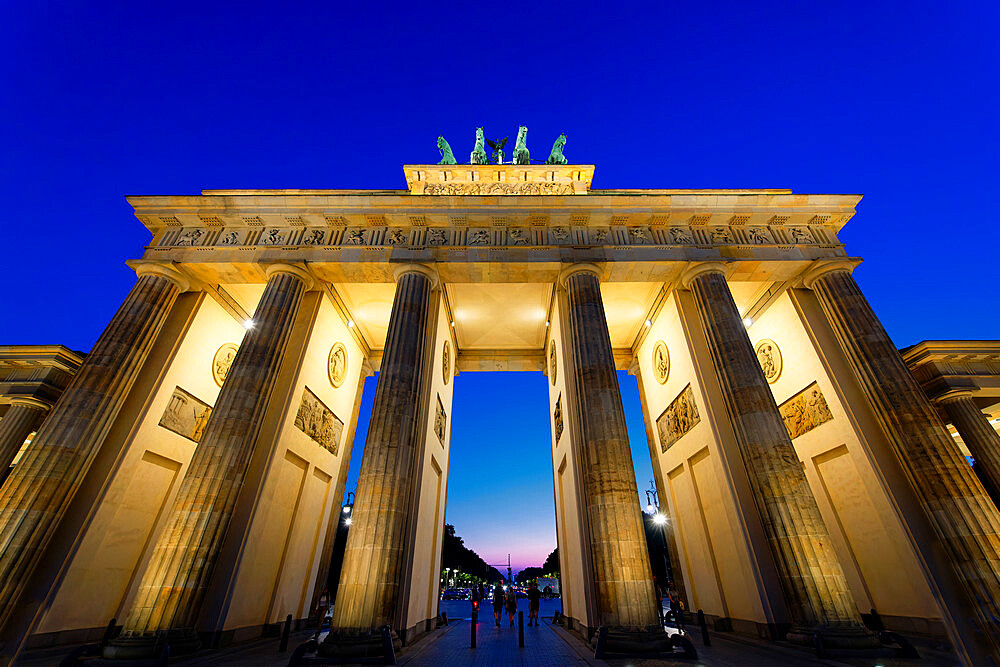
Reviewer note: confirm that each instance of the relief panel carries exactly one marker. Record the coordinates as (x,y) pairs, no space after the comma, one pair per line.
(680,417)
(318,422)
(186,415)
(805,411)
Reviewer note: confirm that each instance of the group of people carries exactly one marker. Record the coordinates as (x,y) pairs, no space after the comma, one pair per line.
(508,600)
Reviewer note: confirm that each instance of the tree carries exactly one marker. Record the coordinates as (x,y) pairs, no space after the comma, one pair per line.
(456,556)
(529,573)
(551,564)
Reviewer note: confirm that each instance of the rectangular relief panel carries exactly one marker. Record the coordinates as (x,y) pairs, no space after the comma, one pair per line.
(440,422)
(186,415)
(805,411)
(680,417)
(318,422)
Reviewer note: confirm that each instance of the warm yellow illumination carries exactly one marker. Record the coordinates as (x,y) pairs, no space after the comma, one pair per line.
(347,521)
(659,519)
(248,324)
(350,324)
(747,321)
(649,323)
(453,323)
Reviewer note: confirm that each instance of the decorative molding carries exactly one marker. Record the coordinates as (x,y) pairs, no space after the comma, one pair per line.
(498,188)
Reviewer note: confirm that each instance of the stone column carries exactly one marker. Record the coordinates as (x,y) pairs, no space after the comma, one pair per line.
(23,417)
(623,581)
(812,580)
(963,516)
(977,433)
(176,577)
(376,544)
(35,496)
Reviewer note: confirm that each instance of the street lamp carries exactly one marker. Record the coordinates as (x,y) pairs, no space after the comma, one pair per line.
(660,519)
(347,508)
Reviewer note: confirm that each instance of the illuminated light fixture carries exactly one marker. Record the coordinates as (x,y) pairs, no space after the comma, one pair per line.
(248,324)
(649,323)
(659,519)
(747,321)
(651,508)
(350,324)
(347,509)
(347,521)
(546,323)
(453,324)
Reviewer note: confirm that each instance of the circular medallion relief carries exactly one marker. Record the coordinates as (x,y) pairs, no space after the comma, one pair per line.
(336,364)
(769,357)
(552,361)
(222,360)
(446,362)
(661,362)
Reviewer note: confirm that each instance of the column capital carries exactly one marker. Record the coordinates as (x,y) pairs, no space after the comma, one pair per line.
(952,395)
(31,402)
(299,271)
(582,267)
(168,270)
(822,267)
(428,271)
(696,269)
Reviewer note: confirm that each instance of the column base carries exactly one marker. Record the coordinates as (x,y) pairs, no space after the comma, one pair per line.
(144,647)
(629,641)
(368,644)
(849,638)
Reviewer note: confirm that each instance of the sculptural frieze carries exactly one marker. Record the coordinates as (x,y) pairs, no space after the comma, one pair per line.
(499,188)
(336,364)
(661,362)
(272,237)
(638,235)
(436,236)
(222,361)
(440,421)
(769,357)
(190,237)
(479,237)
(355,236)
(314,237)
(759,235)
(559,233)
(396,237)
(805,411)
(519,236)
(230,238)
(801,235)
(186,415)
(678,419)
(319,422)
(680,235)
(722,235)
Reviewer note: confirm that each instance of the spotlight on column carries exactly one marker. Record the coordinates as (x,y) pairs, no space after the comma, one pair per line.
(747,321)
(546,323)
(248,324)
(350,324)
(649,323)
(659,519)
(453,323)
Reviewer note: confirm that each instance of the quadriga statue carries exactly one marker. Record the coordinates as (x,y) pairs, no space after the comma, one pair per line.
(447,157)
(556,156)
(478,155)
(521,154)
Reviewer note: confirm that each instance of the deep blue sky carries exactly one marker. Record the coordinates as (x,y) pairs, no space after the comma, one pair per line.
(894,100)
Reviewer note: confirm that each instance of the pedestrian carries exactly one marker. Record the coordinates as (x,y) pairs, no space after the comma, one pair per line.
(511,604)
(534,600)
(476,597)
(675,605)
(498,598)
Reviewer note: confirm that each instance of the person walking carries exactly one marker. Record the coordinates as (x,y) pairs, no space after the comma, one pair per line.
(534,600)
(511,604)
(498,599)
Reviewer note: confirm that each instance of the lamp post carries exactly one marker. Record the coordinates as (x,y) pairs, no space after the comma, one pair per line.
(348,507)
(660,519)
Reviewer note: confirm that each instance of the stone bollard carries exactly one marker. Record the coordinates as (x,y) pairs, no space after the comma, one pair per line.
(706,640)
(475,621)
(520,629)
(285,632)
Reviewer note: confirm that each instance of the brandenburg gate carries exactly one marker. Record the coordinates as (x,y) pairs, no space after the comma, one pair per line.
(188,480)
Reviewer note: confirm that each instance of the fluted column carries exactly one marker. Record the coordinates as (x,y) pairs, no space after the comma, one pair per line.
(23,417)
(977,433)
(176,577)
(812,579)
(963,516)
(623,580)
(374,555)
(34,497)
